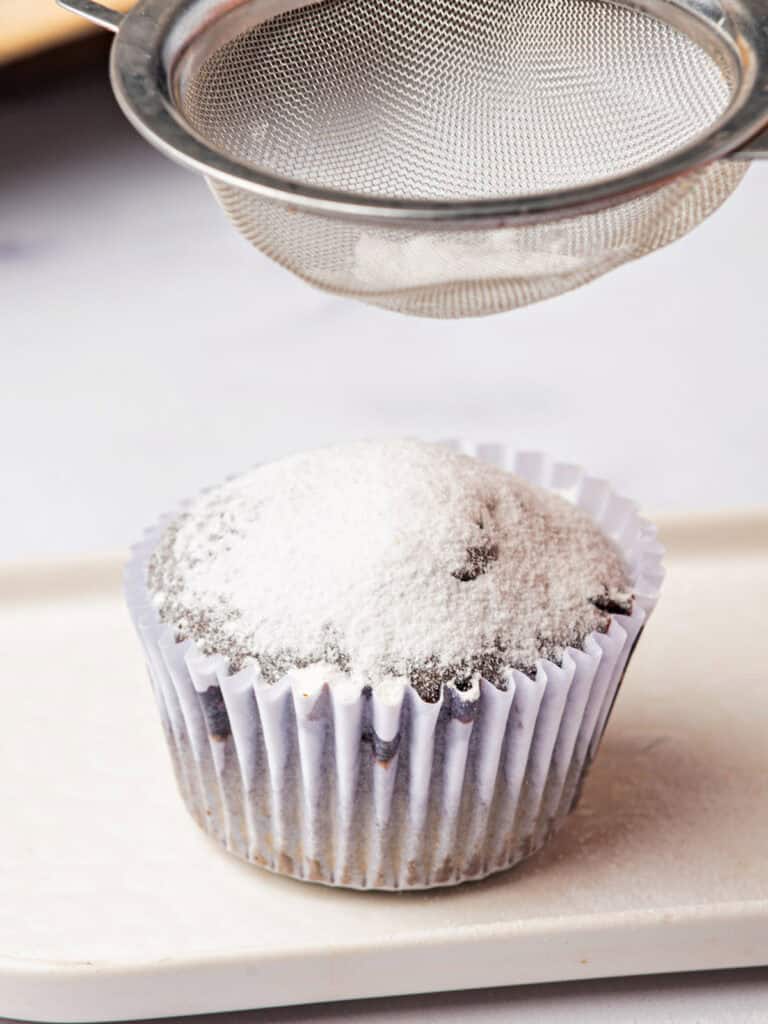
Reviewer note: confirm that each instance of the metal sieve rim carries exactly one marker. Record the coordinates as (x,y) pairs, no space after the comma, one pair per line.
(153,36)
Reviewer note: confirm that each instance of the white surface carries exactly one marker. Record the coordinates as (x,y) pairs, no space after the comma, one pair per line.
(148,351)
(115,905)
(722,997)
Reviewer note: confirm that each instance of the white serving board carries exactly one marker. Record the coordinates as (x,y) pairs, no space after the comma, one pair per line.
(113,905)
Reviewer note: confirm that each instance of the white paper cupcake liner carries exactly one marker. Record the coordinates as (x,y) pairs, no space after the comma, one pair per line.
(380,789)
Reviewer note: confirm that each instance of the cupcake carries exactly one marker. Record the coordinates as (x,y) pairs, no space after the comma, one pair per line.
(389,664)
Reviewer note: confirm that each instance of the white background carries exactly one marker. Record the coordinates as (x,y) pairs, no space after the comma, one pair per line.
(148,351)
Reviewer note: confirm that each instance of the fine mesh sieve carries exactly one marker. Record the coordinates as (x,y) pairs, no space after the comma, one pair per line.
(451,157)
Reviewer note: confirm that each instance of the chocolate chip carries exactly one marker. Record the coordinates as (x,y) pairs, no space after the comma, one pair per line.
(612,605)
(479,559)
(215,712)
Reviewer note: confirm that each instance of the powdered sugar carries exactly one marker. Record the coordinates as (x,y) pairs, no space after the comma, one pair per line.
(394,558)
(395,261)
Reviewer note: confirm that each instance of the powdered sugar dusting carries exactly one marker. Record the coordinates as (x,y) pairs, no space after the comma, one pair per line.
(394,558)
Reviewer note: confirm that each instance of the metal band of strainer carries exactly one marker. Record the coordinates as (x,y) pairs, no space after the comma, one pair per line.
(158,35)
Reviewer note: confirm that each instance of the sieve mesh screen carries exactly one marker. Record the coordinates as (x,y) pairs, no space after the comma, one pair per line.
(455,99)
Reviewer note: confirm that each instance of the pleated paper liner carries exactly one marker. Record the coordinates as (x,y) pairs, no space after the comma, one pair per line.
(378,789)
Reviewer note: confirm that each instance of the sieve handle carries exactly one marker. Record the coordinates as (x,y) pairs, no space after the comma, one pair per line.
(755,149)
(97,13)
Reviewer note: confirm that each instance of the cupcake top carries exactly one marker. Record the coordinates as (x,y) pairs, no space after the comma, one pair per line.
(386,558)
